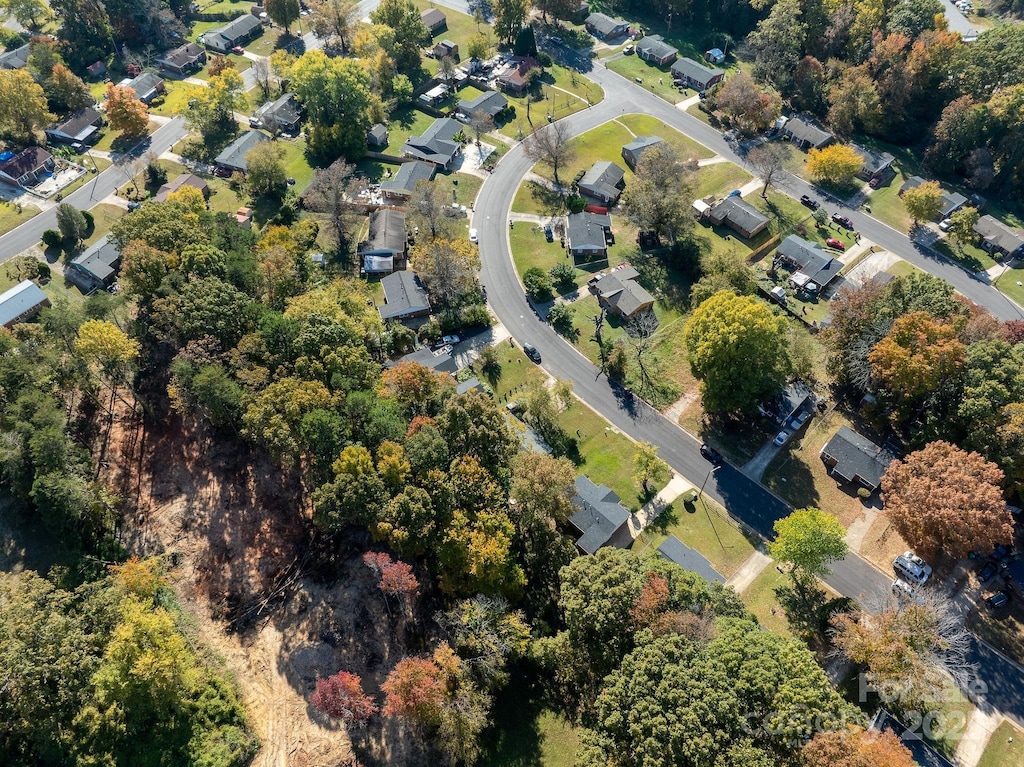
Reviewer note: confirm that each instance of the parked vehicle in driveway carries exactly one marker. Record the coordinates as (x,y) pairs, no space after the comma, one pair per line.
(531,351)
(238,50)
(945,223)
(782,438)
(808,202)
(902,589)
(912,568)
(629,49)
(450,339)
(832,242)
(988,572)
(997,600)
(841,220)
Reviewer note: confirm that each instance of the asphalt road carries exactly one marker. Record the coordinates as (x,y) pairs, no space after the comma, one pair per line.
(746,500)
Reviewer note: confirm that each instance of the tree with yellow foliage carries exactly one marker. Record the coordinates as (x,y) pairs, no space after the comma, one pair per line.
(836,164)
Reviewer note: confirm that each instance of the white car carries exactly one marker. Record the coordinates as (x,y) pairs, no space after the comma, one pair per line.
(449,339)
(782,438)
(901,588)
(912,568)
(473,236)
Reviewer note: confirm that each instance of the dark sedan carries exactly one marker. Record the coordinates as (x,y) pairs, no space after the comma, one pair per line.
(805,200)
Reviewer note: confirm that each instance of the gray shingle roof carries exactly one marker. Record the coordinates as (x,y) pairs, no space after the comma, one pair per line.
(403,295)
(696,71)
(100,260)
(442,363)
(674,550)
(620,290)
(79,125)
(489,103)
(874,162)
(433,18)
(15,59)
(387,232)
(145,85)
(604,179)
(810,258)
(408,176)
(857,456)
(283,111)
(654,46)
(999,234)
(740,214)
(21,299)
(182,56)
(437,144)
(631,152)
(605,25)
(185,179)
(237,29)
(587,230)
(599,514)
(233,156)
(803,129)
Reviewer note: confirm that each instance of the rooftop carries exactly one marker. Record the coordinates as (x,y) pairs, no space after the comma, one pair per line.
(489,103)
(284,110)
(804,129)
(145,85)
(620,289)
(185,179)
(874,162)
(599,514)
(79,124)
(182,55)
(696,71)
(406,178)
(100,259)
(605,25)
(674,550)
(999,234)
(237,28)
(437,144)
(15,59)
(810,258)
(640,143)
(857,456)
(26,161)
(234,153)
(403,295)
(587,230)
(21,298)
(604,177)
(740,212)
(655,46)
(387,232)
(441,363)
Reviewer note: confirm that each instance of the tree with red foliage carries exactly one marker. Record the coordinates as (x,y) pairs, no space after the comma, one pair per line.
(415,690)
(1014,331)
(397,580)
(341,697)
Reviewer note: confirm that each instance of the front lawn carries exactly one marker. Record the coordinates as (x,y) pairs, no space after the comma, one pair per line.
(759,597)
(650,76)
(719,179)
(404,122)
(11,217)
(973,258)
(1011,283)
(703,526)
(114,141)
(531,249)
(465,186)
(174,101)
(887,205)
(104,217)
(1006,746)
(270,41)
(645,125)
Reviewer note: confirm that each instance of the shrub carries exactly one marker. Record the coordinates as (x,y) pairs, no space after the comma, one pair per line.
(155,175)
(475,315)
(430,331)
(44,270)
(544,59)
(863,493)
(575,203)
(563,275)
(537,283)
(52,238)
(560,317)
(90,221)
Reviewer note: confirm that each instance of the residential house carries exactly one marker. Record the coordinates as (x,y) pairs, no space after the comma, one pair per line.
(21,303)
(813,267)
(232,159)
(146,87)
(619,292)
(604,182)
(714,56)
(951,201)
(439,362)
(674,550)
(97,267)
(243,217)
(15,59)
(513,80)
(470,384)
(377,136)
(27,168)
(605,27)
(855,459)
(82,125)
(787,402)
(654,50)
(600,517)
(437,145)
(434,20)
(805,134)
(280,116)
(435,95)
(631,152)
(739,215)
(587,235)
(488,103)
(405,298)
(384,249)
(183,60)
(996,237)
(97,69)
(403,183)
(876,164)
(183,180)
(237,32)
(695,75)
(445,48)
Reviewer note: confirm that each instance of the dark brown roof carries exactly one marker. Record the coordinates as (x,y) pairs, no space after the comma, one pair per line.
(26,161)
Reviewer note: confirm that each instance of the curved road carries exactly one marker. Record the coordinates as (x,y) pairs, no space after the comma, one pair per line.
(745,499)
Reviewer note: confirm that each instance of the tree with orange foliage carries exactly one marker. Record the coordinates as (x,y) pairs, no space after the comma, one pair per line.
(944,499)
(418,389)
(218,64)
(856,748)
(341,697)
(916,355)
(125,112)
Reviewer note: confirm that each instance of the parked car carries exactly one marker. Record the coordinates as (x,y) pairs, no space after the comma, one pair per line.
(222,172)
(531,351)
(901,588)
(841,220)
(808,202)
(945,223)
(782,438)
(875,182)
(912,568)
(629,49)
(997,600)
(453,339)
(832,242)
(711,454)
(549,235)
(735,193)
(988,572)
(796,423)
(238,50)
(473,236)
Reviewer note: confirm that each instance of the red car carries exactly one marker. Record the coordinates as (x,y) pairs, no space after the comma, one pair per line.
(832,242)
(238,50)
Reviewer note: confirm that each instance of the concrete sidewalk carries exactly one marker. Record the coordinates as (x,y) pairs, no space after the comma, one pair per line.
(976,735)
(650,510)
(755,565)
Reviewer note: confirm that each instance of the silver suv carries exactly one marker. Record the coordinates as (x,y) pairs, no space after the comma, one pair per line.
(912,568)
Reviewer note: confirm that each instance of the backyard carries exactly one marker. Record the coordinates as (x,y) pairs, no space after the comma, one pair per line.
(530,249)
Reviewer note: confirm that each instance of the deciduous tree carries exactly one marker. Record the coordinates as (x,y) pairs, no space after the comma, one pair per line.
(126,113)
(777,43)
(768,160)
(334,20)
(836,164)
(856,747)
(66,91)
(649,470)
(264,176)
(211,108)
(961,227)
(283,12)
(660,198)
(331,194)
(751,109)
(449,267)
(28,13)
(944,499)
(409,32)
(509,17)
(71,223)
(23,109)
(808,539)
(923,202)
(551,146)
(916,355)
(341,697)
(738,349)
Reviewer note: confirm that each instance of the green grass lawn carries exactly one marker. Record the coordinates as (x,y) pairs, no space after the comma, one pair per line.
(759,597)
(373,170)
(658,81)
(524,734)
(903,269)
(720,179)
(887,205)
(1006,746)
(241,64)
(295,163)
(645,125)
(174,101)
(1011,282)
(530,249)
(10,217)
(226,6)
(269,41)
(517,372)
(114,141)
(15,270)
(704,528)
(404,122)
(104,216)
(467,188)
(535,198)
(973,258)
(202,27)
